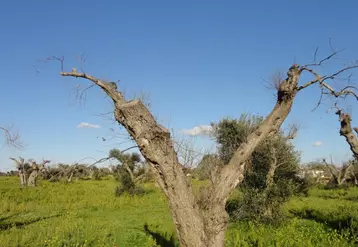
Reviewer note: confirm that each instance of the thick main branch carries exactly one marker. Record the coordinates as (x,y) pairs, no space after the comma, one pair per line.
(156,146)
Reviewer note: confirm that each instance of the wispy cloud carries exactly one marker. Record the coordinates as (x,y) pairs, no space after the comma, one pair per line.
(198,130)
(88,125)
(317,144)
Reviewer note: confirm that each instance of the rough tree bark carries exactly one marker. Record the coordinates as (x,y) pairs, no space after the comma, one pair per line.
(346,130)
(200,221)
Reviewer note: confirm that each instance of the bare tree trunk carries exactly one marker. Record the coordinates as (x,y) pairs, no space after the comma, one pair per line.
(130,172)
(91,173)
(22,176)
(274,163)
(347,131)
(156,146)
(201,222)
(334,172)
(69,179)
(32,178)
(270,175)
(21,170)
(216,218)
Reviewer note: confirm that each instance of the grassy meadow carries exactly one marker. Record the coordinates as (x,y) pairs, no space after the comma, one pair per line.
(86,213)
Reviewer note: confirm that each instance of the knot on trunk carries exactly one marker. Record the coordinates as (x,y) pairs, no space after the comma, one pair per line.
(288,87)
(345,120)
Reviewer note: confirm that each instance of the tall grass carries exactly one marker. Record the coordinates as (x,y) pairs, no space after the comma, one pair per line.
(86,213)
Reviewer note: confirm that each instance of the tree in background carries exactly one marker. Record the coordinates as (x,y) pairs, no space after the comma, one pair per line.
(28,171)
(343,175)
(35,169)
(126,172)
(271,174)
(21,170)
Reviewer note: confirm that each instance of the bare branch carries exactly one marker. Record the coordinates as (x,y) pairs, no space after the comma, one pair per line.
(324,59)
(292,132)
(327,89)
(187,153)
(81,94)
(315,55)
(343,92)
(19,162)
(110,157)
(319,101)
(110,88)
(274,81)
(12,139)
(82,61)
(332,169)
(321,79)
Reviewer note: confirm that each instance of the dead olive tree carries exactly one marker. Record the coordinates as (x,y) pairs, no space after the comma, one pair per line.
(339,175)
(346,129)
(36,168)
(201,222)
(20,165)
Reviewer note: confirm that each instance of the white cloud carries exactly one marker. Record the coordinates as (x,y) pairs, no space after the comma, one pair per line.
(198,130)
(88,125)
(317,144)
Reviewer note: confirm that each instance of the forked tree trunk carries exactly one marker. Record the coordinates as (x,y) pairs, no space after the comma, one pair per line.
(215,216)
(199,223)
(341,175)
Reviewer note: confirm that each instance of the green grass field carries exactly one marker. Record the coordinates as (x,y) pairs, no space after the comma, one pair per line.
(86,213)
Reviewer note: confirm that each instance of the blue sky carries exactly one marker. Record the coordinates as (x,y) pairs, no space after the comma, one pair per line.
(199,61)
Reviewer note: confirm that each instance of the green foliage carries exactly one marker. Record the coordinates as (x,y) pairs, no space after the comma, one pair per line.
(127,185)
(130,159)
(230,133)
(261,200)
